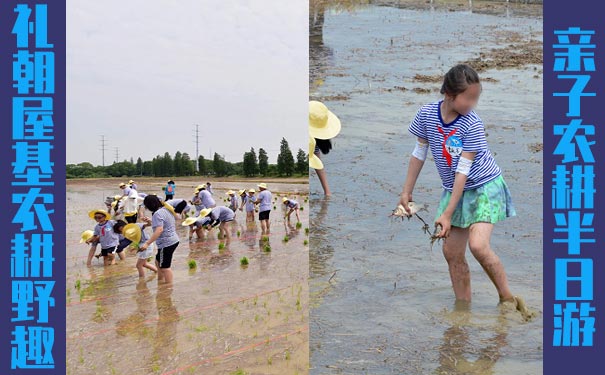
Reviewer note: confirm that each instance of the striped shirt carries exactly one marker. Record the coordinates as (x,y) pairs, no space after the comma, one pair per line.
(448,141)
(291,203)
(164,218)
(221,213)
(265,200)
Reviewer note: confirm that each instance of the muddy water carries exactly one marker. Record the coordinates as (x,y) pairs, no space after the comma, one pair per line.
(217,319)
(381,300)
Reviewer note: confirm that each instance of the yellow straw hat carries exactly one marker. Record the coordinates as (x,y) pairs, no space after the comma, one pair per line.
(323,124)
(262,185)
(117,197)
(132,232)
(205,212)
(86,235)
(240,192)
(190,220)
(131,181)
(122,185)
(314,161)
(230,192)
(251,191)
(284,200)
(92,214)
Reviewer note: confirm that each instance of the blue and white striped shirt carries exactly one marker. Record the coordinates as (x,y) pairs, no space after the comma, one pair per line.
(448,141)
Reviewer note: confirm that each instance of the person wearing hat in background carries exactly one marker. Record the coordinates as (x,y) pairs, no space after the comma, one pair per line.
(323,126)
(220,216)
(164,235)
(134,235)
(131,206)
(242,197)
(196,201)
(265,202)
(132,185)
(206,198)
(249,202)
(209,188)
(103,234)
(169,190)
(125,189)
(180,207)
(196,225)
(233,201)
(293,207)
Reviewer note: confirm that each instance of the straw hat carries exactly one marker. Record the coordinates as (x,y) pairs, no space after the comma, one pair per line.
(117,197)
(132,232)
(323,124)
(240,192)
(122,185)
(86,235)
(230,192)
(200,187)
(205,212)
(190,220)
(314,161)
(92,214)
(262,185)
(251,191)
(131,182)
(284,200)
(169,208)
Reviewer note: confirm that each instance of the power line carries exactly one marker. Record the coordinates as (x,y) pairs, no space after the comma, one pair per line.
(117,155)
(103,148)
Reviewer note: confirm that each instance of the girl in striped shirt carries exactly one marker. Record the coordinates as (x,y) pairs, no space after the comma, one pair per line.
(475,196)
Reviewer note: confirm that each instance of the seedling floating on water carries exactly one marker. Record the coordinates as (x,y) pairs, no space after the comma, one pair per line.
(192,264)
(286,239)
(306,230)
(305,242)
(302,208)
(298,225)
(221,246)
(265,238)
(243,261)
(275,208)
(267,248)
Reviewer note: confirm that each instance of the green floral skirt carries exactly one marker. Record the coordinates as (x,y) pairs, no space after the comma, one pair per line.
(489,203)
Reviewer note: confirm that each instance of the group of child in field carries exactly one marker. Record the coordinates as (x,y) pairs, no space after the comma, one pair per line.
(126,228)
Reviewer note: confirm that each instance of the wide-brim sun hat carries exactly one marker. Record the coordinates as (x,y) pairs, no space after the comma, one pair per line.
(132,232)
(314,161)
(86,235)
(92,214)
(199,187)
(251,191)
(284,200)
(121,185)
(323,124)
(230,192)
(117,197)
(205,212)
(240,192)
(131,182)
(190,220)
(262,185)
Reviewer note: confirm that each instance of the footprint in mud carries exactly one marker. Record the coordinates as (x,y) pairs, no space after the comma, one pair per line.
(518,304)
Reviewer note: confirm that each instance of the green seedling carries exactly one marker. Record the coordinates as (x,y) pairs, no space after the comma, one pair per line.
(267,248)
(306,230)
(238,233)
(305,242)
(243,261)
(302,208)
(78,285)
(286,239)
(298,225)
(192,264)
(221,246)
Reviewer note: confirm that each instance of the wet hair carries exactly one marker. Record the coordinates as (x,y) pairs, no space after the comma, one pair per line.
(324,145)
(458,79)
(152,203)
(180,207)
(117,227)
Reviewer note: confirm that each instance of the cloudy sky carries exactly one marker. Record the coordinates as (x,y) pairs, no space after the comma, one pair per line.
(143,73)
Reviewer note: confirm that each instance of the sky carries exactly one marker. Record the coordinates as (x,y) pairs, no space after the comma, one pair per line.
(144,73)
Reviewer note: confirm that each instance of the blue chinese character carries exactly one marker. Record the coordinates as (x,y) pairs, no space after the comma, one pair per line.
(38,262)
(25,215)
(32,163)
(573,226)
(574,55)
(575,93)
(33,121)
(568,326)
(584,280)
(582,187)
(44,299)
(569,134)
(23,27)
(39,74)
(32,348)
(22,297)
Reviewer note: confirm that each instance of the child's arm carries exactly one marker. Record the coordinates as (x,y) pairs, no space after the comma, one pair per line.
(414,168)
(459,181)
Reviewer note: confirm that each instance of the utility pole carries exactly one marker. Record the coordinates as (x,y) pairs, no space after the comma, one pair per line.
(103,148)
(197,147)
(117,155)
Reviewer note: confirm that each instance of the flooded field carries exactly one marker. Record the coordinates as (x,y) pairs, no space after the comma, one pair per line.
(218,318)
(381,299)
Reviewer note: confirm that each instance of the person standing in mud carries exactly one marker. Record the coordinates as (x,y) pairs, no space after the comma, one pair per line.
(103,234)
(475,195)
(206,197)
(264,201)
(323,126)
(169,190)
(164,235)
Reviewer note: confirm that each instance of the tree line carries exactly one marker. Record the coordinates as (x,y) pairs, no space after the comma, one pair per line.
(182,165)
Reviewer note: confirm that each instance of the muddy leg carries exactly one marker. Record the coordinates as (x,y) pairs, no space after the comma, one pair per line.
(454,248)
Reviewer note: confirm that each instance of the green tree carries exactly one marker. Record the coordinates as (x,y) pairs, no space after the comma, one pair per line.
(147,168)
(302,164)
(285,159)
(188,165)
(139,166)
(178,164)
(263,162)
(201,165)
(218,165)
(168,165)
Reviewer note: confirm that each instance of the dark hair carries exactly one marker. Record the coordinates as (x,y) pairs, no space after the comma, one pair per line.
(117,227)
(458,79)
(152,203)
(180,207)
(170,182)
(324,145)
